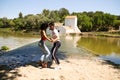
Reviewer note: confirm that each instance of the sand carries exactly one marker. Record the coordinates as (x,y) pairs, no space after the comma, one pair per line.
(71,69)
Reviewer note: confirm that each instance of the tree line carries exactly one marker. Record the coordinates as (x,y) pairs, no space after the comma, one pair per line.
(87,21)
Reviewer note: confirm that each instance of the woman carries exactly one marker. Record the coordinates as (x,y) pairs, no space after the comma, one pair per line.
(46,57)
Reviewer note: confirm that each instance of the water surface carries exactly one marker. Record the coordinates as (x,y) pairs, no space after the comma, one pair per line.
(106,48)
(14,42)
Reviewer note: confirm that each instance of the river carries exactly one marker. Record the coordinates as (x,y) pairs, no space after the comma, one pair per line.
(104,48)
(14,42)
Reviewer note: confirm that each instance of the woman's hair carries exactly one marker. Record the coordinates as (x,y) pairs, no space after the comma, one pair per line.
(44,26)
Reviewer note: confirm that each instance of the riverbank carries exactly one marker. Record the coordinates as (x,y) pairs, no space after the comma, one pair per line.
(9,32)
(71,69)
(113,33)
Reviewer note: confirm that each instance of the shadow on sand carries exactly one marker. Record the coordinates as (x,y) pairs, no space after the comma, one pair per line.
(116,66)
(23,56)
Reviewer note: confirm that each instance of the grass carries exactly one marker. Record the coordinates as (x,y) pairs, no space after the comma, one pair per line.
(115,34)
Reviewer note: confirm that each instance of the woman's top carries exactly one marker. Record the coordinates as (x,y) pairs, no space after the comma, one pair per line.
(42,36)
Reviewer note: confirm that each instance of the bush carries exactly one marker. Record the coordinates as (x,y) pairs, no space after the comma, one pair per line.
(103,29)
(4,48)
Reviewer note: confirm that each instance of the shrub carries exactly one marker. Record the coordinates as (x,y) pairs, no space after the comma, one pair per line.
(103,29)
(4,48)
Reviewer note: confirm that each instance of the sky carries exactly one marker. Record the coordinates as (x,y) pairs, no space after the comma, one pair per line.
(12,8)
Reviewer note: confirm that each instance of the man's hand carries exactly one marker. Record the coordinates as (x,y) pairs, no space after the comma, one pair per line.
(52,40)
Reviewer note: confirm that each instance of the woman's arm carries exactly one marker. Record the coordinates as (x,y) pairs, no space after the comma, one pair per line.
(44,34)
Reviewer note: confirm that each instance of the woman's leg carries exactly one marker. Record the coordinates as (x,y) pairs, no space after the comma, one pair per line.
(46,56)
(41,45)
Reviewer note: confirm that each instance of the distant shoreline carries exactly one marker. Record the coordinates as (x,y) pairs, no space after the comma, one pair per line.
(102,34)
(114,34)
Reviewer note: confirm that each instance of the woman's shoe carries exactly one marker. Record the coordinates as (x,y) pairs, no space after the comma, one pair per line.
(40,63)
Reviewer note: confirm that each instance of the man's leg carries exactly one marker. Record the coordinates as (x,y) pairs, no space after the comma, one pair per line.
(54,51)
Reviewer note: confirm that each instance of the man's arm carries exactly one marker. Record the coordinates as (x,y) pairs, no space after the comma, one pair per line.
(54,40)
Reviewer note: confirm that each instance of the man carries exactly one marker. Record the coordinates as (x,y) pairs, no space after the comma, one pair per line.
(56,43)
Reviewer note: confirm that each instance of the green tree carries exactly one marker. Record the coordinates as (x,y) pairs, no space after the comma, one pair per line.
(86,23)
(11,23)
(46,12)
(20,15)
(54,16)
(98,20)
(116,24)
(90,14)
(1,23)
(109,19)
(62,13)
(5,22)
(30,22)
(19,24)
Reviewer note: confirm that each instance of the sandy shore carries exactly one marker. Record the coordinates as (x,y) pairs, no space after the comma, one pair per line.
(71,69)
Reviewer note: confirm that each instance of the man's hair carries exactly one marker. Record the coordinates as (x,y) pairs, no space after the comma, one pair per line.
(44,26)
(51,24)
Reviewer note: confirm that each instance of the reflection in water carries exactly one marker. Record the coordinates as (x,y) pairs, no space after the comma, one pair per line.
(107,48)
(102,46)
(73,39)
(69,44)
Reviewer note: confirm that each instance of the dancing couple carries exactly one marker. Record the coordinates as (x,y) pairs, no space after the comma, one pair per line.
(47,57)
